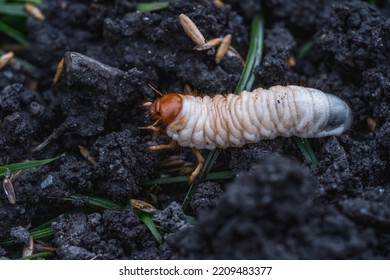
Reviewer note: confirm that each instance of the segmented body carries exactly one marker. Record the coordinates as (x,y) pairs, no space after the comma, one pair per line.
(235,120)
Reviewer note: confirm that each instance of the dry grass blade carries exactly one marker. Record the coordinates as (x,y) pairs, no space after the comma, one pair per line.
(28,248)
(143,206)
(59,70)
(85,153)
(5,58)
(192,30)
(9,190)
(34,11)
(223,48)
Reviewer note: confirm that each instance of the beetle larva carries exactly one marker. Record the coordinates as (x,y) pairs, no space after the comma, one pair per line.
(235,120)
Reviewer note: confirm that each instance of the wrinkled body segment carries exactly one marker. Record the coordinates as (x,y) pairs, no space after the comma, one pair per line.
(236,120)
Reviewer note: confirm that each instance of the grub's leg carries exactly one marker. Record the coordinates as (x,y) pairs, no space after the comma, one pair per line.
(160,147)
(153,127)
(150,127)
(200,159)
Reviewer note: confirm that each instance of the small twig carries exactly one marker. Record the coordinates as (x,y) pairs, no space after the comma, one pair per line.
(59,131)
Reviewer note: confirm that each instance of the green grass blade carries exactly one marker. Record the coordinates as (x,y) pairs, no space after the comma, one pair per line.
(223,175)
(211,160)
(147,220)
(255,54)
(13,33)
(151,7)
(43,226)
(36,234)
(24,165)
(7,242)
(246,81)
(207,165)
(306,150)
(12,9)
(191,220)
(42,233)
(166,181)
(108,204)
(304,49)
(35,2)
(96,201)
(37,255)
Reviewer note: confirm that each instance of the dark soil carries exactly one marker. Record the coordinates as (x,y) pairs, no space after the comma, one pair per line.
(277,207)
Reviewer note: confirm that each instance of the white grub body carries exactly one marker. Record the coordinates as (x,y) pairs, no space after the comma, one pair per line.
(235,120)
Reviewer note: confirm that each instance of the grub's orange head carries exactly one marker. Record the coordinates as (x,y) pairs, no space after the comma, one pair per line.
(166,108)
